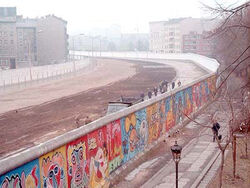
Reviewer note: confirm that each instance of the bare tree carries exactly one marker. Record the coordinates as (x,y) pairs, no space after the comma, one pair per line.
(233,93)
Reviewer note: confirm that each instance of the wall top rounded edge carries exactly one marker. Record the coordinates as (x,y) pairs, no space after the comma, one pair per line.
(208,63)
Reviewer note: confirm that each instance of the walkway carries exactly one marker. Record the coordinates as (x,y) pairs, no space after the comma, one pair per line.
(196,159)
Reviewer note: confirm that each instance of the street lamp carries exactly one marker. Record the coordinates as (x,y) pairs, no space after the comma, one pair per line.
(176,152)
(73,40)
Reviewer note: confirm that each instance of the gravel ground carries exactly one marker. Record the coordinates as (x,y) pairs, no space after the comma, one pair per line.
(29,126)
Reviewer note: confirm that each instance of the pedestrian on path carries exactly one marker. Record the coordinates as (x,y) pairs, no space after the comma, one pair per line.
(215,129)
(155,91)
(149,94)
(179,83)
(173,85)
(142,96)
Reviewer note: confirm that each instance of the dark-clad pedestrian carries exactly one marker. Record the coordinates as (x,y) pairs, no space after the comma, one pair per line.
(173,85)
(215,129)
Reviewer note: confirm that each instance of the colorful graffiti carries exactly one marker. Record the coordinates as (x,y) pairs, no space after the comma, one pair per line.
(179,106)
(53,169)
(134,134)
(163,115)
(77,164)
(141,123)
(130,137)
(204,92)
(155,127)
(114,141)
(88,160)
(196,96)
(170,113)
(212,86)
(188,102)
(23,177)
(98,158)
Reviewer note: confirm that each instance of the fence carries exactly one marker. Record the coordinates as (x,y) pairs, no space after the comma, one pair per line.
(23,75)
(88,155)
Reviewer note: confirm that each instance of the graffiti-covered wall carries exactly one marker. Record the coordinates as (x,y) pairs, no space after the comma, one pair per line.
(88,160)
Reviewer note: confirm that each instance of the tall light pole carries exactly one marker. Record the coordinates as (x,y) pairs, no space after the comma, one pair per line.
(73,40)
(100,46)
(92,40)
(29,55)
(176,152)
(74,63)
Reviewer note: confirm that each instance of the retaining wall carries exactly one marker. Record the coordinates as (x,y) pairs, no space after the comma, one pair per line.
(88,155)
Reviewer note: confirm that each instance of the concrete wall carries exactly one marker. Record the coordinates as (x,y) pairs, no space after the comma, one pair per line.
(22,75)
(207,63)
(88,155)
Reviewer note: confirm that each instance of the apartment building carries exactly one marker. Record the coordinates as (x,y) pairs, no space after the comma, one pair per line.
(52,40)
(194,42)
(167,36)
(7,35)
(26,30)
(37,41)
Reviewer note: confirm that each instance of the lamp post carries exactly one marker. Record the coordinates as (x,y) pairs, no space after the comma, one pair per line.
(73,54)
(29,57)
(176,152)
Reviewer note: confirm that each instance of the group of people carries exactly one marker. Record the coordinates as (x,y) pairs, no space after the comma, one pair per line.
(162,88)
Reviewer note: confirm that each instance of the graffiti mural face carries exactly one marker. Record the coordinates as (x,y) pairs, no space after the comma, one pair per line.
(23,177)
(77,163)
(179,106)
(154,125)
(114,144)
(130,137)
(142,125)
(53,169)
(134,134)
(98,154)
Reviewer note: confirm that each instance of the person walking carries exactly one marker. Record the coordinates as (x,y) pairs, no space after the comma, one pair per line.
(173,85)
(215,129)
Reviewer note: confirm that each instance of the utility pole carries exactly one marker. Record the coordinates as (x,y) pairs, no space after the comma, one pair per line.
(92,40)
(74,63)
(29,54)
(100,47)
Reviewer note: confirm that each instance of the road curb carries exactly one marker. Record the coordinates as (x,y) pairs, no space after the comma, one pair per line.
(204,172)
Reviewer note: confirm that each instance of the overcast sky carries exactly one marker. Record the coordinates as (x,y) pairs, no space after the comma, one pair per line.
(131,15)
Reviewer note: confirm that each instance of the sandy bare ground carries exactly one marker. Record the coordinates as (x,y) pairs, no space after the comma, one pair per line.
(33,125)
(186,72)
(54,104)
(102,74)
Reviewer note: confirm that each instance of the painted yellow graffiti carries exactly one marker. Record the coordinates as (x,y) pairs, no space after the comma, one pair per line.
(53,169)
